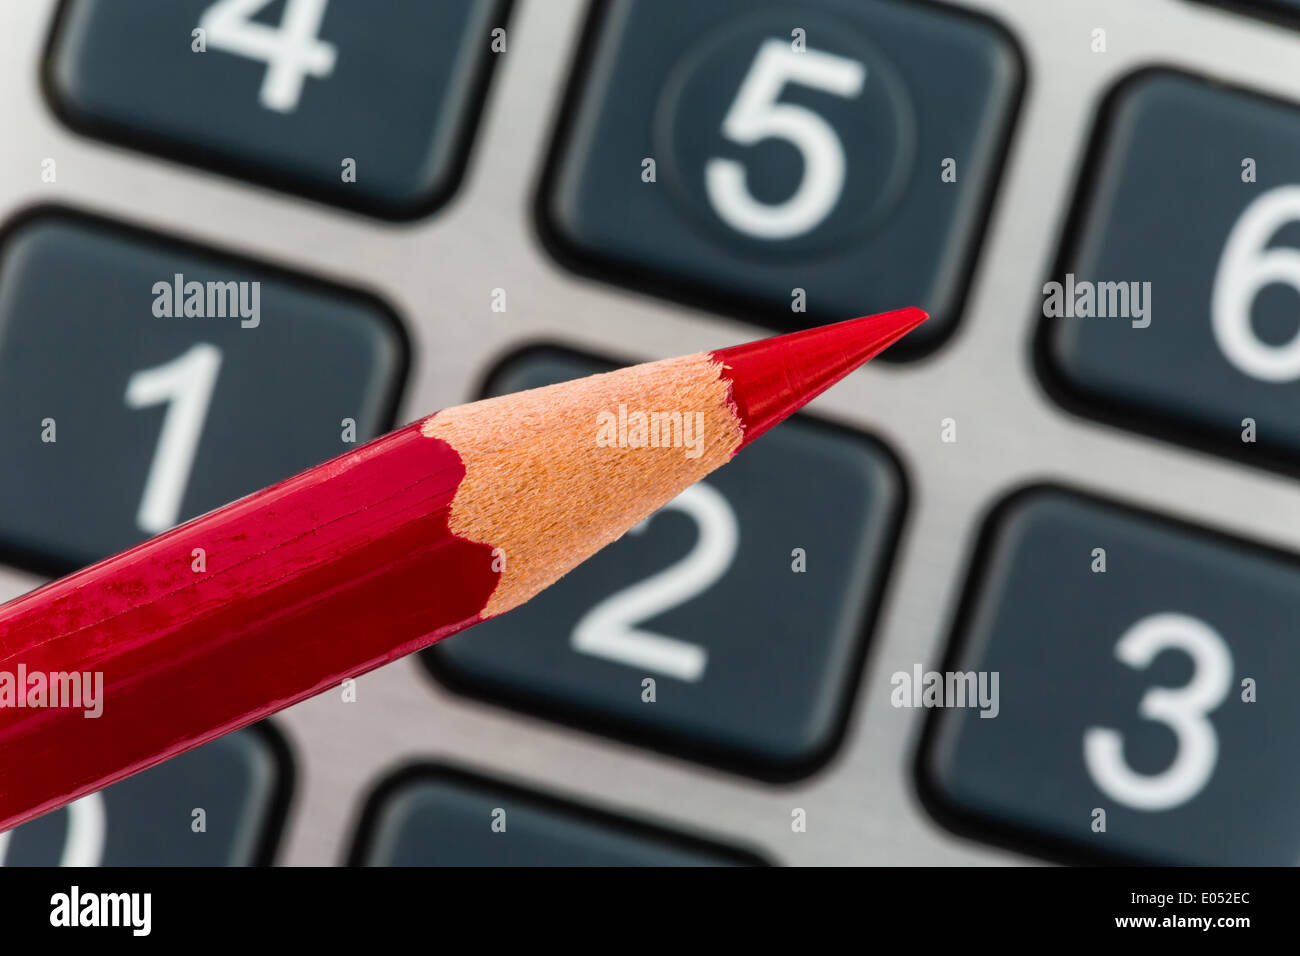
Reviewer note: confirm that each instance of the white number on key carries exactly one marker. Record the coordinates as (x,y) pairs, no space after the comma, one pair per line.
(610,630)
(186,384)
(1245,268)
(292,52)
(756,115)
(1183,710)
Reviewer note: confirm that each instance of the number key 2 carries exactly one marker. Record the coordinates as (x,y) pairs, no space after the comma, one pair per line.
(366,105)
(1144,711)
(798,162)
(730,626)
(1212,356)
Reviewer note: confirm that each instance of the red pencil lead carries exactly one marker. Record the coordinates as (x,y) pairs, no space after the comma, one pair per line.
(773,378)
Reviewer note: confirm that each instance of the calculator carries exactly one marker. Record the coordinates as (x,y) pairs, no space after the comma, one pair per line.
(1023,591)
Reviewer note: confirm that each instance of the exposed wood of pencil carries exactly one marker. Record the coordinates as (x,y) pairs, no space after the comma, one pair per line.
(368,557)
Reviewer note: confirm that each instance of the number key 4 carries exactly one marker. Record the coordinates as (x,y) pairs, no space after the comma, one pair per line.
(342,100)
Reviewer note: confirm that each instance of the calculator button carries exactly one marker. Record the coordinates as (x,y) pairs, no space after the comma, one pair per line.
(1287,10)
(1217,277)
(119,420)
(801,155)
(729,627)
(220,805)
(1147,691)
(366,105)
(440,817)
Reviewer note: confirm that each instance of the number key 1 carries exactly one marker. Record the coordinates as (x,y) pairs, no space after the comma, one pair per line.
(144,382)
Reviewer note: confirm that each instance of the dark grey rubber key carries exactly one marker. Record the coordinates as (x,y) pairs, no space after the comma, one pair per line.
(439,817)
(1142,712)
(743,608)
(367,105)
(1177,316)
(121,414)
(812,161)
(220,805)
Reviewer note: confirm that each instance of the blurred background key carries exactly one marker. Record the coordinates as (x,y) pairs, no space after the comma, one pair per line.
(443,817)
(1283,10)
(220,805)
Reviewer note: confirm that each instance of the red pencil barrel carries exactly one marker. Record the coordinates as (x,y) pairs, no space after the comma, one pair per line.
(237,614)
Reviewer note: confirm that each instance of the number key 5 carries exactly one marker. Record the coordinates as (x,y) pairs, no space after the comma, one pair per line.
(798,162)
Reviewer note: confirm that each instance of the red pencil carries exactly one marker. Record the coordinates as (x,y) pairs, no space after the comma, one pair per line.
(363,559)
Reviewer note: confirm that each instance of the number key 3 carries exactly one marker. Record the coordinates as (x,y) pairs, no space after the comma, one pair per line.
(1144,712)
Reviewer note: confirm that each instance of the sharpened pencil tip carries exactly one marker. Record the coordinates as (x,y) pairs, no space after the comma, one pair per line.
(775,377)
